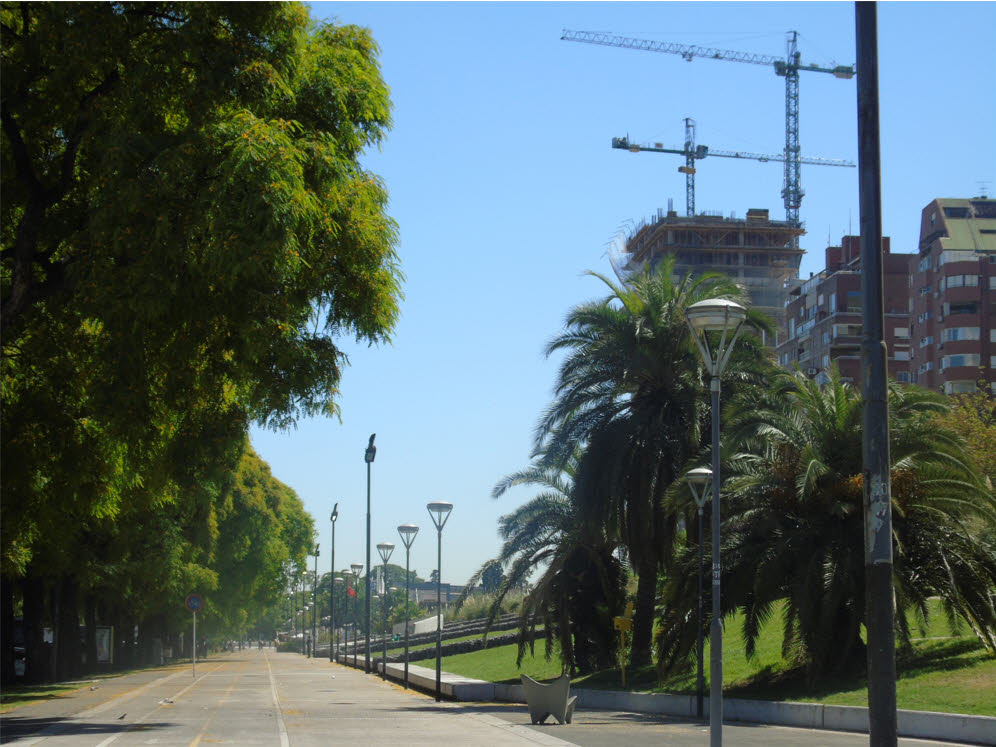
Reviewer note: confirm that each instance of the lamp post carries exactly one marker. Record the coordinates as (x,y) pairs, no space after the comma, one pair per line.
(314,609)
(333,517)
(698,481)
(407,532)
(440,512)
(385,549)
(368,456)
(304,612)
(335,631)
(726,318)
(357,568)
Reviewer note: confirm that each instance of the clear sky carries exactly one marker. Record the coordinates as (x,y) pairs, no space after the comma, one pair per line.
(506,190)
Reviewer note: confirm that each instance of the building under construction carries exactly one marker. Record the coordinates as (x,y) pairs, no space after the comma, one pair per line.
(760,253)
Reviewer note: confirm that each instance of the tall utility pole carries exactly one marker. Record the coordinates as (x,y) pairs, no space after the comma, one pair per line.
(880,617)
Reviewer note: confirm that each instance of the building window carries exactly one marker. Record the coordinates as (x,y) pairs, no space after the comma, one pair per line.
(992,361)
(963,308)
(833,303)
(956,212)
(925,341)
(826,361)
(959,387)
(901,355)
(903,333)
(953,334)
(962,359)
(903,377)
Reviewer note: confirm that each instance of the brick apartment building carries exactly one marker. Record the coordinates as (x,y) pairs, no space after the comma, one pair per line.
(824,315)
(953,296)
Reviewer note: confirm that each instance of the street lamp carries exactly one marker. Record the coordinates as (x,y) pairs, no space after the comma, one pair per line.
(314,609)
(440,512)
(333,517)
(716,315)
(335,631)
(357,568)
(385,549)
(407,532)
(304,612)
(368,456)
(698,480)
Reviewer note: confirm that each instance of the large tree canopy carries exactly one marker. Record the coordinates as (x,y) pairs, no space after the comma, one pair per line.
(185,231)
(186,227)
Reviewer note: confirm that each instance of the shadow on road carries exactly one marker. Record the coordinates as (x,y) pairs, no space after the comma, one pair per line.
(17,727)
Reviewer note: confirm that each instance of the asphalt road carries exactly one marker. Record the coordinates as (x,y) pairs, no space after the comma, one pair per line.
(266,698)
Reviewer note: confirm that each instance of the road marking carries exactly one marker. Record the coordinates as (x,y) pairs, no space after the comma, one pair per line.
(284,741)
(132,726)
(197,739)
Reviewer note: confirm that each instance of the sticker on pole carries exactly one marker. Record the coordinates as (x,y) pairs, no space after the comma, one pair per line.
(194,602)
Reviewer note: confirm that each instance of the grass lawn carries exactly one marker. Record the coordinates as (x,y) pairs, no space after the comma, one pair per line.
(945,672)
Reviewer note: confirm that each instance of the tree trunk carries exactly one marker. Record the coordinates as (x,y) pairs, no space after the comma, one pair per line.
(643,616)
(35,653)
(68,630)
(90,616)
(6,631)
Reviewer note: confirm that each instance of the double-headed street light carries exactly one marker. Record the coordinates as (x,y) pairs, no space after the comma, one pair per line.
(385,549)
(368,456)
(698,480)
(724,318)
(407,532)
(357,568)
(333,517)
(440,512)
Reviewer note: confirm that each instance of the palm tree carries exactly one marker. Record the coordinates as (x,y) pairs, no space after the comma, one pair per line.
(794,527)
(630,393)
(580,585)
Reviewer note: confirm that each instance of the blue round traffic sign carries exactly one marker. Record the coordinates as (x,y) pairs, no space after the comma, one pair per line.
(194,602)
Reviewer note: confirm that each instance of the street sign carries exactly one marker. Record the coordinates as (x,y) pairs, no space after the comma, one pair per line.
(194,602)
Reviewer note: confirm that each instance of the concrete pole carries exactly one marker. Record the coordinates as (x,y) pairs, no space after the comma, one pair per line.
(880,617)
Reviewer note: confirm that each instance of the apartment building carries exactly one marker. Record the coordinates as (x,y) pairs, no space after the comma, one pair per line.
(952,296)
(824,315)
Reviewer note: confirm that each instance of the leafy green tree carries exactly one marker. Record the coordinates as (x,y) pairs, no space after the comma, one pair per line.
(491,578)
(794,518)
(973,417)
(581,583)
(630,392)
(185,229)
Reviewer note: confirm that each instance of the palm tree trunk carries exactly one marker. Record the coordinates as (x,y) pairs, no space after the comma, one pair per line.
(643,615)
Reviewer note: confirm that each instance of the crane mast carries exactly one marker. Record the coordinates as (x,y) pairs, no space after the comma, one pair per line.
(693,152)
(788,68)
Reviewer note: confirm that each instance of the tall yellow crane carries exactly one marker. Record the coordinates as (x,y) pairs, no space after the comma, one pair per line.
(693,152)
(788,68)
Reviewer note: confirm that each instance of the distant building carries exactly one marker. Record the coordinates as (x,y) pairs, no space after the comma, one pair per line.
(952,299)
(760,253)
(824,315)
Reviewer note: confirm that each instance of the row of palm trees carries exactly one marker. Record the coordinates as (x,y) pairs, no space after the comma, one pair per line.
(630,417)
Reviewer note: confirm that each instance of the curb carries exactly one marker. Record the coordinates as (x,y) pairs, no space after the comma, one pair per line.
(950,727)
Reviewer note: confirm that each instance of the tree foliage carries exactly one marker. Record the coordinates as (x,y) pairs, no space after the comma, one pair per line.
(630,397)
(185,231)
(794,516)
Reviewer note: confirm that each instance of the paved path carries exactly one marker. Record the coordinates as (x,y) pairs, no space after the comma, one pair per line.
(266,698)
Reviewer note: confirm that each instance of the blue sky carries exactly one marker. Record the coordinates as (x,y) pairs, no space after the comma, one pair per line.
(506,191)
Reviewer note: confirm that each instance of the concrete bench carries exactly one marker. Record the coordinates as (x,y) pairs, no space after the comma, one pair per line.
(551,699)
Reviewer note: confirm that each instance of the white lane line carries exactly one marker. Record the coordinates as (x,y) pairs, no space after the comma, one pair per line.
(137,722)
(284,741)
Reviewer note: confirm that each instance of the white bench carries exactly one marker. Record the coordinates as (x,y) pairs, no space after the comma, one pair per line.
(551,699)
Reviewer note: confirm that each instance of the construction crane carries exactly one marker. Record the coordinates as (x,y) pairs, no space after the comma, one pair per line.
(693,152)
(788,68)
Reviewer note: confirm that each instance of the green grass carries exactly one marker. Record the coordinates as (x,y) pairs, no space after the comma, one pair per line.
(947,671)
